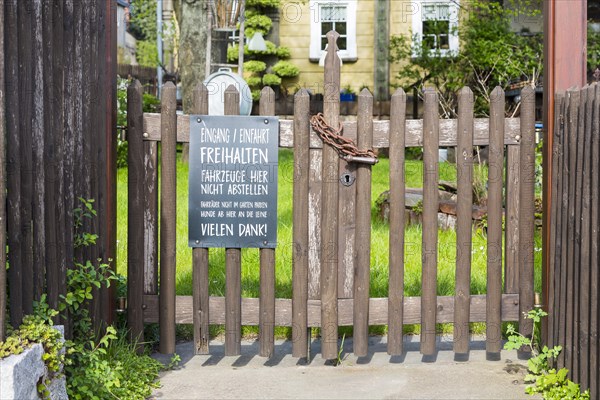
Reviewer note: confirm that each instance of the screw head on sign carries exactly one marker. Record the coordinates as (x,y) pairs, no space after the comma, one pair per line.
(266,121)
(197,241)
(265,242)
(199,120)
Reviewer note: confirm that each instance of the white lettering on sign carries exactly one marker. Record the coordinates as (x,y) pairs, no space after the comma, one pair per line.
(233,155)
(216,229)
(253,229)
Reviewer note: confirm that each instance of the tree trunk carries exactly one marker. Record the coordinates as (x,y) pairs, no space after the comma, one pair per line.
(193,18)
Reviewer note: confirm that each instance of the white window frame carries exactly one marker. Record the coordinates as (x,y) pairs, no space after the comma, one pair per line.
(315,52)
(418,17)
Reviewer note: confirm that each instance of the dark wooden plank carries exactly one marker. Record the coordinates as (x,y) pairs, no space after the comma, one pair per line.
(381,128)
(13,163)
(315,188)
(511,247)
(57,270)
(347,231)
(329,207)
(200,257)
(40,122)
(569,265)
(555,244)
(526,209)
(267,262)
(594,254)
(378,310)
(363,228)
(585,259)
(233,268)
(150,207)
(26,71)
(135,212)
(3,234)
(574,371)
(51,135)
(168,215)
(396,246)
(494,243)
(430,228)
(300,263)
(464,168)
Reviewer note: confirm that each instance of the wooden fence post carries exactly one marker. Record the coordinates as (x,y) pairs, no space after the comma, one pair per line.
(267,262)
(200,257)
(329,207)
(168,218)
(300,225)
(431,131)
(464,221)
(135,213)
(233,269)
(396,240)
(494,245)
(362,246)
(526,209)
(2,184)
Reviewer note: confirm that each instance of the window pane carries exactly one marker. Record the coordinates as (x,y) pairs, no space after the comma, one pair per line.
(429,41)
(436,27)
(436,11)
(333,13)
(340,28)
(323,43)
(444,42)
(326,27)
(342,43)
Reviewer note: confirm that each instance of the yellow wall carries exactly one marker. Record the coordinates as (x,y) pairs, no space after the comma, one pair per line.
(294,33)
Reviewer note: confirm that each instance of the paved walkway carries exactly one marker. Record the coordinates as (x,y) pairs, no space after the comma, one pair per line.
(377,376)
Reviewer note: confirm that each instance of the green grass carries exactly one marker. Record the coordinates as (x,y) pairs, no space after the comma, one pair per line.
(379,241)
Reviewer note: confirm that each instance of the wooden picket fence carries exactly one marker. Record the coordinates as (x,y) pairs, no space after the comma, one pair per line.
(332,225)
(573,278)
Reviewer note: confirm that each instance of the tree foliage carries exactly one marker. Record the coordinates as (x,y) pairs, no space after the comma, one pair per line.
(491,54)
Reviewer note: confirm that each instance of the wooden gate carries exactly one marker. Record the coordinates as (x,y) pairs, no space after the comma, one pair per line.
(332,225)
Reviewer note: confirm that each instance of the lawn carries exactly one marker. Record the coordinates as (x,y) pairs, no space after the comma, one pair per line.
(379,240)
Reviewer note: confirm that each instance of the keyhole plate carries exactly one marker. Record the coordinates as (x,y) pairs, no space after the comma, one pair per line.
(347,179)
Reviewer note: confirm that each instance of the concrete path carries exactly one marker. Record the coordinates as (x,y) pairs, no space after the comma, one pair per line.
(377,376)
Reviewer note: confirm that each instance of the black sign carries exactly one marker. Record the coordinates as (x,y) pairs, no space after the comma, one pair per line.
(233,181)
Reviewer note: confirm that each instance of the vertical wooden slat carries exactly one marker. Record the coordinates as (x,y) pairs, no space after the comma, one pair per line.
(150,207)
(267,262)
(564,267)
(233,269)
(569,288)
(555,244)
(396,245)
(526,209)
(431,131)
(200,257)
(3,286)
(25,126)
(315,188)
(57,270)
(37,133)
(329,207)
(347,231)
(135,211)
(494,245)
(168,215)
(300,232)
(464,204)
(594,254)
(577,237)
(13,163)
(585,278)
(511,246)
(78,126)
(51,135)
(363,227)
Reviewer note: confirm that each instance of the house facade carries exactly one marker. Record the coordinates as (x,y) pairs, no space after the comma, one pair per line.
(365,27)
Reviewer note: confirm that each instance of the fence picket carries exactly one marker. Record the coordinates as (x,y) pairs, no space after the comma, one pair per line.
(464,168)
(430,227)
(233,265)
(168,214)
(396,241)
(594,263)
(329,208)
(200,257)
(363,228)
(494,243)
(3,233)
(267,262)
(300,250)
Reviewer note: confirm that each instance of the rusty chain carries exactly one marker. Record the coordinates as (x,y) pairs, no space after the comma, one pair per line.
(345,147)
